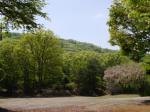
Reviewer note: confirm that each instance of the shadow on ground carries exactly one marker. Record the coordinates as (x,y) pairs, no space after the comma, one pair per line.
(146,102)
(4,110)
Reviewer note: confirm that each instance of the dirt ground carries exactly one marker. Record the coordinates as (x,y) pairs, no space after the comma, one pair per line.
(75,104)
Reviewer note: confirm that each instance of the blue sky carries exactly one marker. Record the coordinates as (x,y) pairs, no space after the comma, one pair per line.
(82,20)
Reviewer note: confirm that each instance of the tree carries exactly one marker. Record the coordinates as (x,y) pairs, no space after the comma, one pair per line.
(26,65)
(90,79)
(39,56)
(126,77)
(84,72)
(21,13)
(10,74)
(113,59)
(146,63)
(129,27)
(31,63)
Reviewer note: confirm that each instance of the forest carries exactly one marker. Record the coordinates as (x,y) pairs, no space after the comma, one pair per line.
(39,63)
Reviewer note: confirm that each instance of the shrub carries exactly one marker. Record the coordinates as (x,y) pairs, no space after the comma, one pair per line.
(71,86)
(146,63)
(127,78)
(145,89)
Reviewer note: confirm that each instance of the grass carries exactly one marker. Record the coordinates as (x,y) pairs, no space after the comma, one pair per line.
(120,96)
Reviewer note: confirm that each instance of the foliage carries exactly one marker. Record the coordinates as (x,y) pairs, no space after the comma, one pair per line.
(43,53)
(145,91)
(146,64)
(129,27)
(76,46)
(84,67)
(38,62)
(112,59)
(88,73)
(10,74)
(72,45)
(90,80)
(33,63)
(128,77)
(21,13)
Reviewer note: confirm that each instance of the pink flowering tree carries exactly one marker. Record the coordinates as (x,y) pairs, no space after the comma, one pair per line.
(124,78)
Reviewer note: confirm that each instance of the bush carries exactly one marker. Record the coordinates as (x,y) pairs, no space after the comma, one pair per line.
(146,63)
(127,78)
(71,86)
(145,89)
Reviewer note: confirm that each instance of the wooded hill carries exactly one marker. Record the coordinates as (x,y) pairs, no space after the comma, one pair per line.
(75,46)
(71,45)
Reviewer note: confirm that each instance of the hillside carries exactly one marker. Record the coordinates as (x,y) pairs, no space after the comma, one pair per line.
(75,46)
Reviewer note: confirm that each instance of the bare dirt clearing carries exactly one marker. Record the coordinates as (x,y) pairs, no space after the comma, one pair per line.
(76,104)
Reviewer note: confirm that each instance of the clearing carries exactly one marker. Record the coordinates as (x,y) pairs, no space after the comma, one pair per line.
(118,103)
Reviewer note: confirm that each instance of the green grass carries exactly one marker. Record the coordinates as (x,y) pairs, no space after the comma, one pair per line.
(120,96)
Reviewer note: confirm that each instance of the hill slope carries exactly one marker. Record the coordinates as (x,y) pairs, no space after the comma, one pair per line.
(75,46)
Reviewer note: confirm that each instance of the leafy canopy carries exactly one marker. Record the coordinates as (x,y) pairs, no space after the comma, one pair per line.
(21,13)
(129,27)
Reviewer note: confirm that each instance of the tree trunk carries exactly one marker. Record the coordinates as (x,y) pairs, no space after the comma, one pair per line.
(1,30)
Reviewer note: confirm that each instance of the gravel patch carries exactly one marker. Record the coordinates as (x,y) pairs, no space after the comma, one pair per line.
(62,102)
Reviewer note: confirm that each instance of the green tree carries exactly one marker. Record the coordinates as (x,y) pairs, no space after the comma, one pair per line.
(24,59)
(84,72)
(68,70)
(146,63)
(129,27)
(40,54)
(90,81)
(112,59)
(82,68)
(21,13)
(10,74)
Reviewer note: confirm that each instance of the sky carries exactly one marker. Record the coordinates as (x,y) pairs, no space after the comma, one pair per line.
(81,20)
